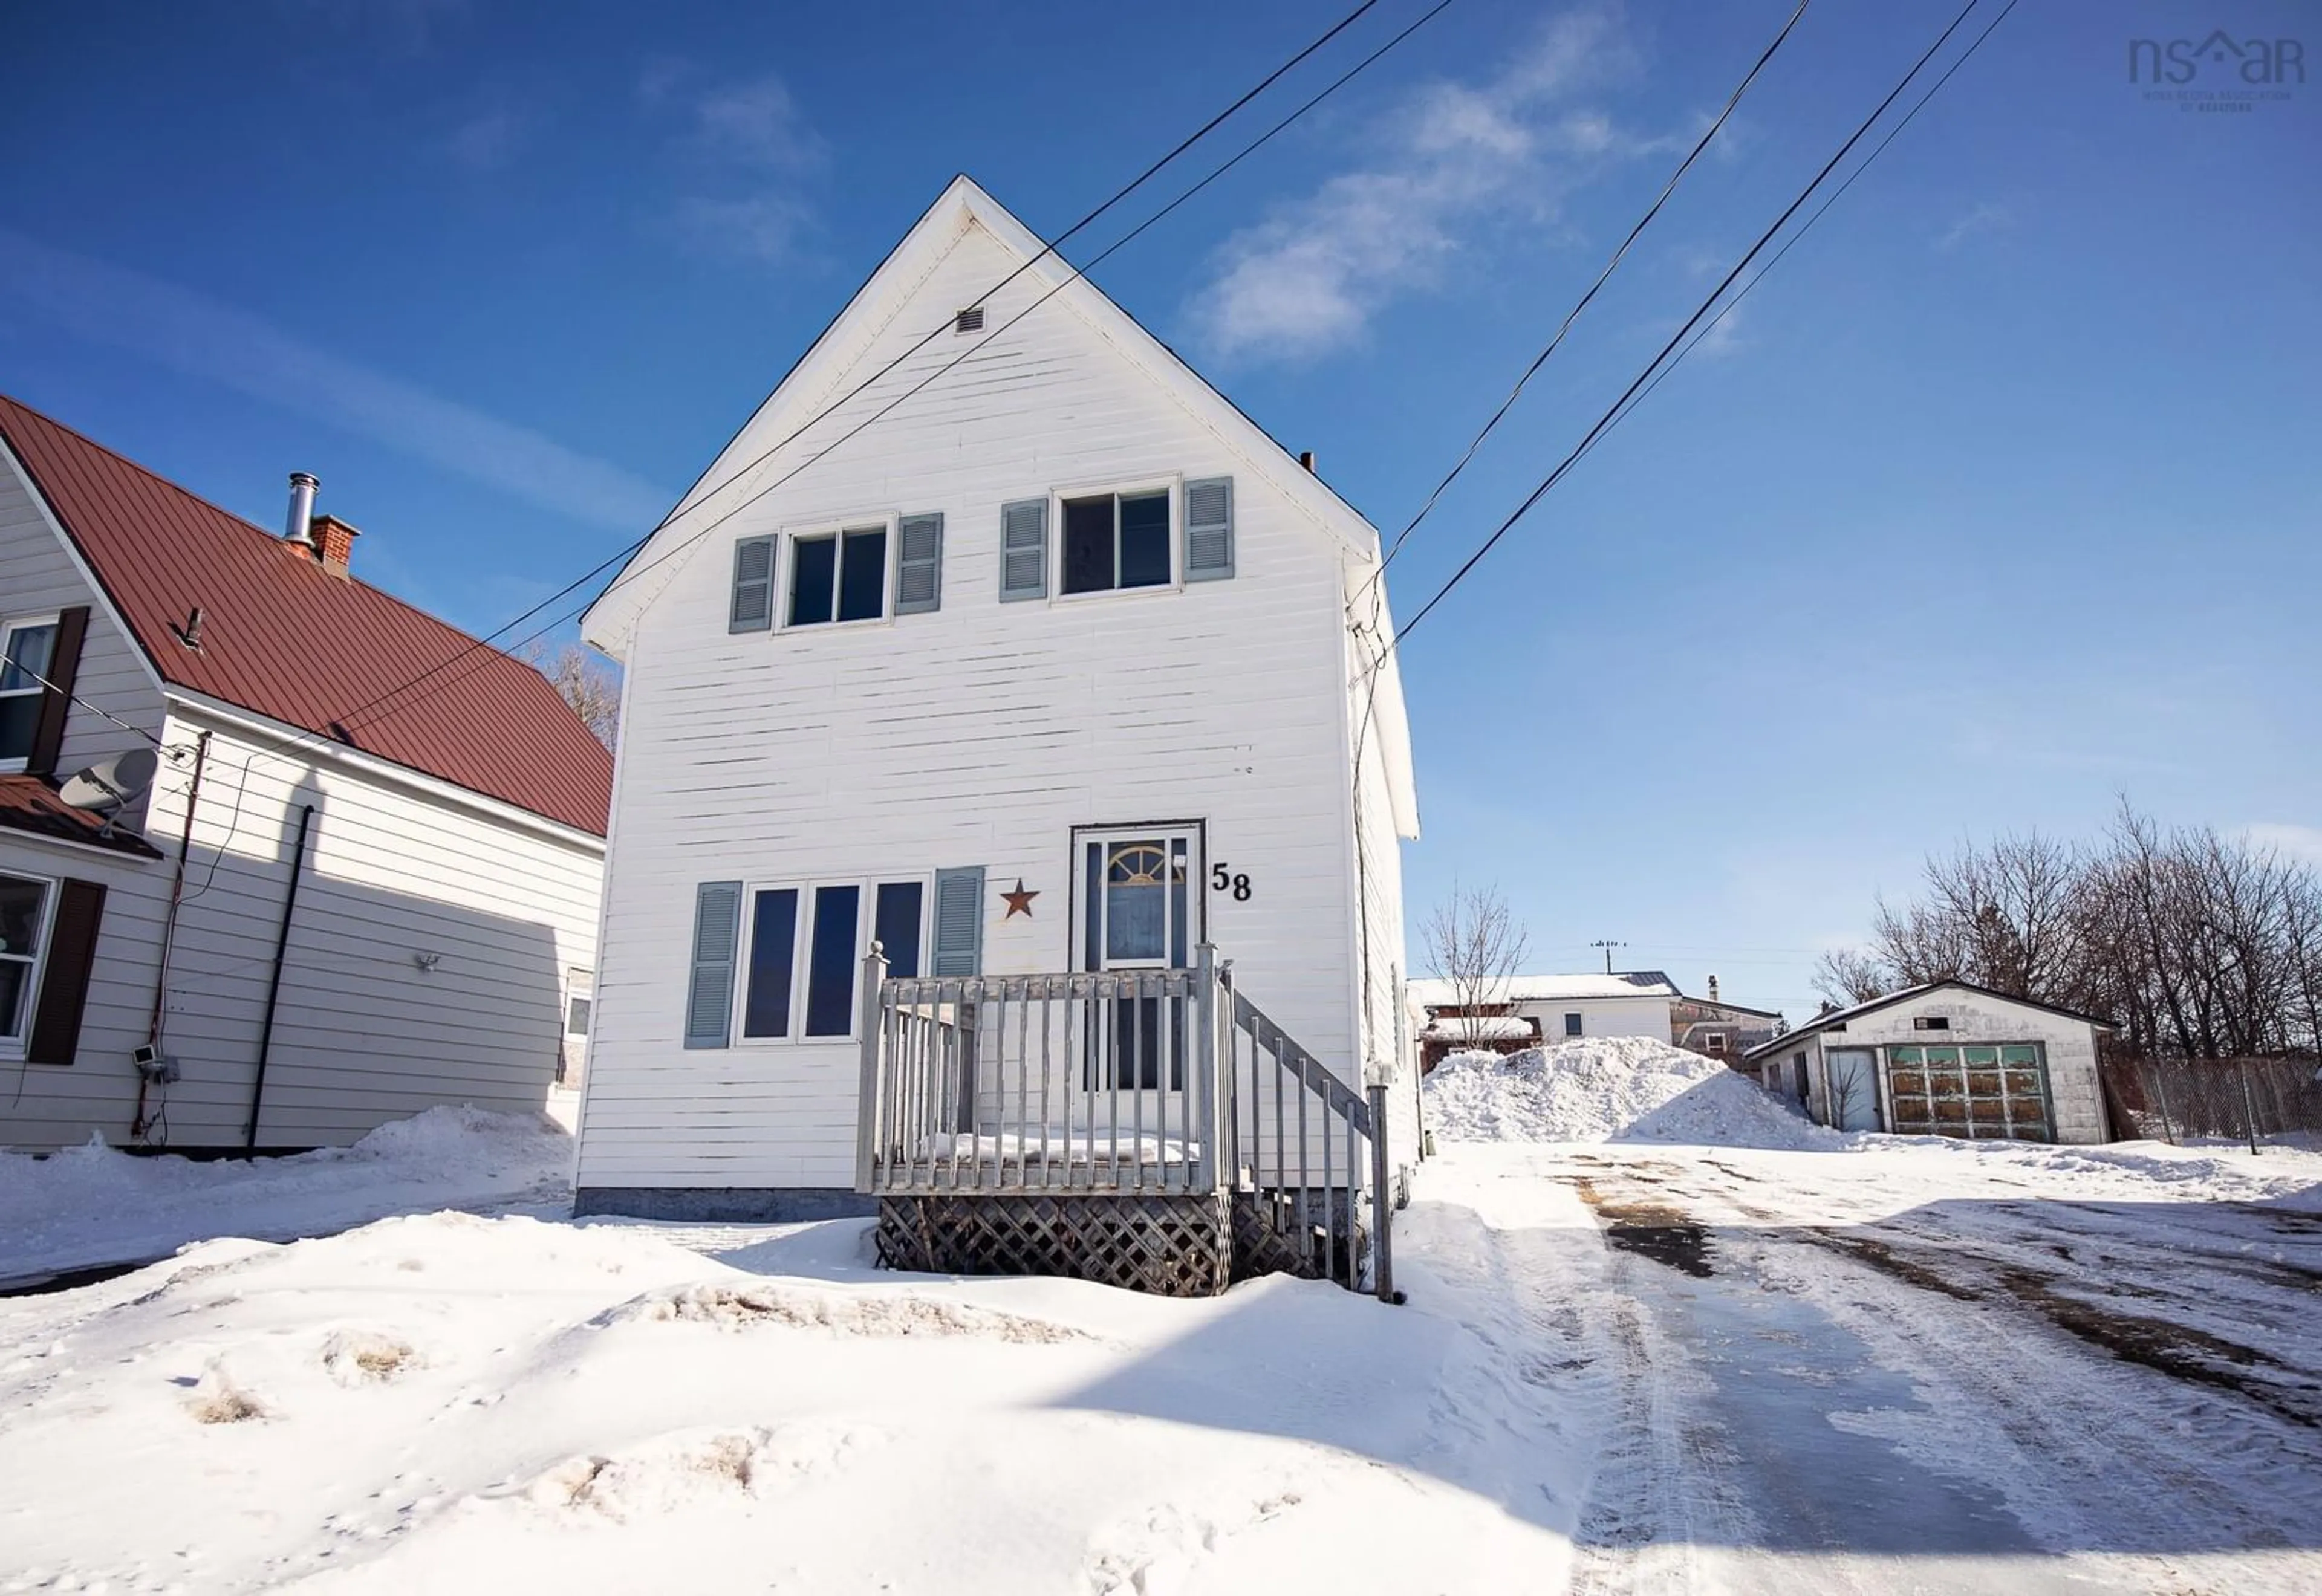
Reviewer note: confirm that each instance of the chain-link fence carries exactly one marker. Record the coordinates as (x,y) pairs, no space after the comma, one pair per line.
(2235,1098)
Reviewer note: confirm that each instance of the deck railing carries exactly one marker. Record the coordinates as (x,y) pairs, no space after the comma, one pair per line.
(1121,1083)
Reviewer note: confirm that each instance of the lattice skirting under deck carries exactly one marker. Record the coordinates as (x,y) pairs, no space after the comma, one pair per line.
(1174,1244)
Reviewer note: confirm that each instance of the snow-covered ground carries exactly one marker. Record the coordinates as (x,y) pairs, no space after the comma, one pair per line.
(1857,1364)
(1604,1088)
(88,1206)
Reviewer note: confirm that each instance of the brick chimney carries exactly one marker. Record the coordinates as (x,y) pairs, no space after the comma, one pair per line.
(334,543)
(1713,988)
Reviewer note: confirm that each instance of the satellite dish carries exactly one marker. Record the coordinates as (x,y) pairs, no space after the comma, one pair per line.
(112,784)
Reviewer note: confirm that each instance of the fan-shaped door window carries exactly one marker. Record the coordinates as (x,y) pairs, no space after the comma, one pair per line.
(1137,908)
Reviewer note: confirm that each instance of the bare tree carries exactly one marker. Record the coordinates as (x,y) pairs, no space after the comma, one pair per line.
(2197,945)
(1474,945)
(585,682)
(1848,976)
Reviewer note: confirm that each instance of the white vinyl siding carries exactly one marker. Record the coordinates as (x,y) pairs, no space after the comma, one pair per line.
(363,1031)
(985,734)
(38,577)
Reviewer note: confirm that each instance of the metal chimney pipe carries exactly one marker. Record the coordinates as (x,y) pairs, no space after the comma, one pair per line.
(298,528)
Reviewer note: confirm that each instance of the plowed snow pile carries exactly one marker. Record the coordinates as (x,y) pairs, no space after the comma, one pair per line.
(1609,1088)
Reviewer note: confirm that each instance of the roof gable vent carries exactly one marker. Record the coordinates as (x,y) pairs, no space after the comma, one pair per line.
(970,320)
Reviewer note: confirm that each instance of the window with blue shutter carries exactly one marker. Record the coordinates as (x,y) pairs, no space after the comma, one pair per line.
(959,922)
(753,608)
(1209,529)
(774,950)
(709,991)
(1024,548)
(919,564)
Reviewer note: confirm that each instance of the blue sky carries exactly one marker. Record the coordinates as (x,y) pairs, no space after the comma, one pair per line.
(1997,499)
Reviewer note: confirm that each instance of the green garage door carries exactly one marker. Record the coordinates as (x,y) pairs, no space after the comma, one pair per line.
(1997,1093)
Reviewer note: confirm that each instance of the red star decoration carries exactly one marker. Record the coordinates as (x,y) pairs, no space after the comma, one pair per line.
(1019,902)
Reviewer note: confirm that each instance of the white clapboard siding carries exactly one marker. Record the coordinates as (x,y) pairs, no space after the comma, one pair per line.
(362,1034)
(38,576)
(979,734)
(42,1105)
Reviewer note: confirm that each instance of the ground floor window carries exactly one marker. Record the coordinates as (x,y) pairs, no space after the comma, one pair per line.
(1994,1092)
(23,932)
(805,948)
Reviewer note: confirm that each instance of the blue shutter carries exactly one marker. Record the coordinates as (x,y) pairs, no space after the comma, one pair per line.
(1024,548)
(919,564)
(753,610)
(1209,529)
(959,922)
(716,936)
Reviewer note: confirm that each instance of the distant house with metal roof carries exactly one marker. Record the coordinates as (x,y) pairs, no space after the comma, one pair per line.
(1533,1010)
(291,894)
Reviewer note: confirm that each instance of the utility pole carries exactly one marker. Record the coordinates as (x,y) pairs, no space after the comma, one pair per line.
(1608,946)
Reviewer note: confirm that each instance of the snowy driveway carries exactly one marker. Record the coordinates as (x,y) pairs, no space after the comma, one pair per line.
(1860,1366)
(1910,1366)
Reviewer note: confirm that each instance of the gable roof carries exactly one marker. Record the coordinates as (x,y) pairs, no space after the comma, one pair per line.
(1838,1017)
(286,639)
(810,385)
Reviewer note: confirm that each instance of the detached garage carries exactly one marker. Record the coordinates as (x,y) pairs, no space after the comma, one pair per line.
(1948,1059)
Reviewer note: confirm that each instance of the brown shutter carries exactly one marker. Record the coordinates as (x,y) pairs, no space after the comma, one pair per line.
(56,700)
(64,988)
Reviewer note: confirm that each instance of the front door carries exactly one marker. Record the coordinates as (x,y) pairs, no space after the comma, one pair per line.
(1138,905)
(1851,1074)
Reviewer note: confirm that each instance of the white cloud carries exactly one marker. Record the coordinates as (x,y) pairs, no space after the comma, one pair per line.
(766,227)
(2300,842)
(1983,218)
(750,148)
(1308,279)
(489,141)
(1723,338)
(192,334)
(756,123)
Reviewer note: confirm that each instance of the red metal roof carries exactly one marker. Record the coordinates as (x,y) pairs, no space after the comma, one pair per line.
(285,638)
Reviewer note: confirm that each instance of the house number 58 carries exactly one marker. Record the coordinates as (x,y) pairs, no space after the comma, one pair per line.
(1223,880)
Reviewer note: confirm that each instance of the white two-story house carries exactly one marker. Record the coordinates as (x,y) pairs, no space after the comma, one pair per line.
(999,638)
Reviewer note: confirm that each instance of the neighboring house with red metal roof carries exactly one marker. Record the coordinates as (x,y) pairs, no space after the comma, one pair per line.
(339,898)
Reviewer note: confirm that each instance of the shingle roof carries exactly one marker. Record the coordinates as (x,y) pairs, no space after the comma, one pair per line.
(287,639)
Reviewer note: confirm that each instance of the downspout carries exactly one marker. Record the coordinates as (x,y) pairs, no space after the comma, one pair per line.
(274,981)
(170,929)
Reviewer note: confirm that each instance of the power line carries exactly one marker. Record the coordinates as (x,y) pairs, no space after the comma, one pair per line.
(1808,226)
(1611,413)
(1077,273)
(1373,584)
(1571,317)
(693,498)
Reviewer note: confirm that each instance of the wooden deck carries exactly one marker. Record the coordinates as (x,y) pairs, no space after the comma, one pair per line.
(1150,1129)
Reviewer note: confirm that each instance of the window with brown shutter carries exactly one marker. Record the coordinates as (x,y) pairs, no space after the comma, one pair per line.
(56,703)
(47,947)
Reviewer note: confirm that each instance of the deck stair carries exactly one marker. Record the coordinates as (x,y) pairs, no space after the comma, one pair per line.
(1151,1128)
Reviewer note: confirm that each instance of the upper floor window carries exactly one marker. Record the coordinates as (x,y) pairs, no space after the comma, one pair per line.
(840,576)
(1116,540)
(27,655)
